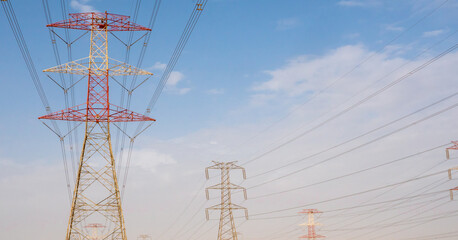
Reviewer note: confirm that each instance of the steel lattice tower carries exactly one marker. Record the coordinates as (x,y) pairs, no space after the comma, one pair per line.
(311,233)
(447,153)
(96,196)
(226,229)
(144,237)
(95,230)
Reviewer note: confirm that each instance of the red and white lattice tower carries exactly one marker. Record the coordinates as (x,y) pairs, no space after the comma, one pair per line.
(96,196)
(311,233)
(95,230)
(447,152)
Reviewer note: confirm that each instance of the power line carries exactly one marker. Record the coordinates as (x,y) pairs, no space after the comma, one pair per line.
(350,195)
(357,147)
(20,40)
(418,196)
(360,136)
(195,15)
(383,89)
(423,189)
(350,71)
(173,223)
(397,222)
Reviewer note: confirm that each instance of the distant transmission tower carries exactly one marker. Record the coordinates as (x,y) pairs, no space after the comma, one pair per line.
(95,230)
(311,234)
(226,229)
(145,237)
(96,196)
(447,153)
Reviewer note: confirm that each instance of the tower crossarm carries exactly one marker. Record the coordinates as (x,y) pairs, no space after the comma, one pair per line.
(228,186)
(223,207)
(83,67)
(311,236)
(81,113)
(454,147)
(101,20)
(447,154)
(225,165)
(452,191)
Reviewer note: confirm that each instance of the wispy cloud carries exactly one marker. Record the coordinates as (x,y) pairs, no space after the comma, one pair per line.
(433,33)
(174,79)
(216,91)
(82,6)
(394,28)
(360,3)
(149,159)
(351,36)
(287,23)
(158,66)
(309,74)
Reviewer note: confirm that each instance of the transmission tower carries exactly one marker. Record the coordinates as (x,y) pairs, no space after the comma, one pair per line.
(95,230)
(96,196)
(144,237)
(311,233)
(226,229)
(447,153)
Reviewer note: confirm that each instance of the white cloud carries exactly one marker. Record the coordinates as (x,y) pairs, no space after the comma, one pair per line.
(288,23)
(351,35)
(183,91)
(82,6)
(158,66)
(30,192)
(309,74)
(433,33)
(216,91)
(172,83)
(175,78)
(394,28)
(360,3)
(149,159)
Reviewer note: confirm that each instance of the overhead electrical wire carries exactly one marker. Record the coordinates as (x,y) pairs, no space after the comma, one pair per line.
(359,136)
(173,223)
(372,95)
(151,25)
(195,15)
(405,199)
(188,222)
(357,147)
(20,40)
(361,91)
(379,210)
(70,125)
(397,217)
(433,236)
(398,221)
(350,195)
(316,94)
(418,196)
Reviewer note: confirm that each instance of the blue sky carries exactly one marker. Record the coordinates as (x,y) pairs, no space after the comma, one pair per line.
(247,65)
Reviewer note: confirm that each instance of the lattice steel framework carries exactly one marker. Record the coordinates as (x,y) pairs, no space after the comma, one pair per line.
(311,233)
(226,230)
(447,152)
(95,230)
(144,237)
(96,196)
